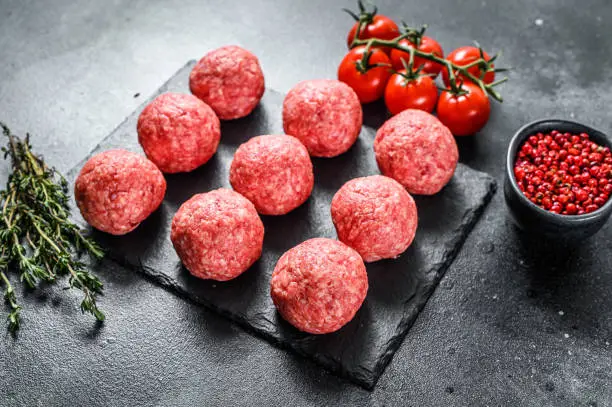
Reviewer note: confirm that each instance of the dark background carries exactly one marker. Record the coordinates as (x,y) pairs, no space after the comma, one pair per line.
(514,322)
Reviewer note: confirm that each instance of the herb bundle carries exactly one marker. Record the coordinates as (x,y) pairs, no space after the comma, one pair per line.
(37,238)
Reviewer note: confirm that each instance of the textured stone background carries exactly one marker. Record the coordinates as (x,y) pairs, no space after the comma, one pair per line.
(512,322)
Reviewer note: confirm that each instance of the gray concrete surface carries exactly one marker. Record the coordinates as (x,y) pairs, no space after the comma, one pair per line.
(513,322)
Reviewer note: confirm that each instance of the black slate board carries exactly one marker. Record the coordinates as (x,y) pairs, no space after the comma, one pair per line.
(399,288)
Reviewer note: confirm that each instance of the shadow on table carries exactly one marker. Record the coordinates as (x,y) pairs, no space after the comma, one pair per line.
(237,131)
(469,151)
(545,258)
(375,114)
(565,278)
(319,382)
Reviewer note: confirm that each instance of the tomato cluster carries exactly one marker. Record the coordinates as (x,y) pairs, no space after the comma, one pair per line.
(386,69)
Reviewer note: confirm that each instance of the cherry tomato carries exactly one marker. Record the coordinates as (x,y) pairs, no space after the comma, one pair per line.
(465,55)
(368,86)
(464,114)
(401,93)
(427,44)
(381,27)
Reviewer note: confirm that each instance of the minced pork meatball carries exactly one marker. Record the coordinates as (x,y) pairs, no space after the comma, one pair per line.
(178,132)
(217,235)
(319,285)
(324,114)
(417,150)
(230,80)
(116,190)
(375,216)
(274,172)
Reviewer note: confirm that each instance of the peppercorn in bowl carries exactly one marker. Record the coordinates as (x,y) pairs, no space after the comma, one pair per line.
(559,179)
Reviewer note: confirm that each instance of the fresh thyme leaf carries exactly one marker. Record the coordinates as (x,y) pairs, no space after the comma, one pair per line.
(36,234)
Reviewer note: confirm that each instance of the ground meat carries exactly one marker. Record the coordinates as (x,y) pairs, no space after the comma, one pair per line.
(323,114)
(178,132)
(230,80)
(417,150)
(117,189)
(217,235)
(273,172)
(319,285)
(375,216)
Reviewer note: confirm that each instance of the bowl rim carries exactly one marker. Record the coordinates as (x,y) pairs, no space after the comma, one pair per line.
(518,138)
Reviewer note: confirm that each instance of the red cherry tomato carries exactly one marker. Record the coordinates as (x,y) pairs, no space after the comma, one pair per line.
(401,93)
(381,27)
(369,86)
(464,56)
(464,114)
(427,44)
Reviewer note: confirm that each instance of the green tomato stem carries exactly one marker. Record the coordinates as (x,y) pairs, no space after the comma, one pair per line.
(430,56)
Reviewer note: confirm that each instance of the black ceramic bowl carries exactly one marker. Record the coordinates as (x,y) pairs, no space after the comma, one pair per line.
(535,220)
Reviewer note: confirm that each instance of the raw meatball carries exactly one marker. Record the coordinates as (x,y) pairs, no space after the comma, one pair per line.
(417,150)
(117,189)
(375,216)
(178,132)
(217,235)
(230,80)
(323,114)
(273,172)
(319,285)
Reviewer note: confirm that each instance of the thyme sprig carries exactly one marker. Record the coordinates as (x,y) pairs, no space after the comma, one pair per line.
(36,235)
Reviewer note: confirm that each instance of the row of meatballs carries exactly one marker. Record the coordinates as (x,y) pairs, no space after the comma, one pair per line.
(319,285)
